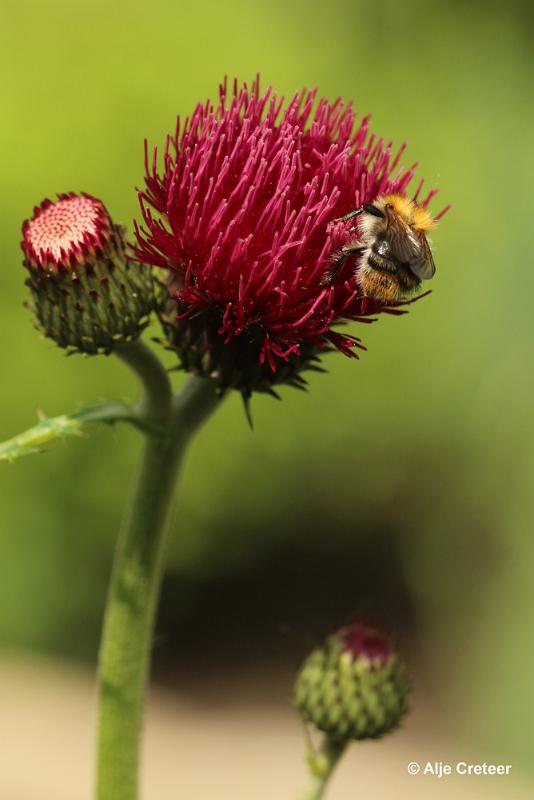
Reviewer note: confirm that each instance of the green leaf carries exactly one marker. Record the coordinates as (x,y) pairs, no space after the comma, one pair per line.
(49,429)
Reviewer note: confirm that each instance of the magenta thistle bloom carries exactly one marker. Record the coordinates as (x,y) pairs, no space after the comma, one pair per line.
(243,213)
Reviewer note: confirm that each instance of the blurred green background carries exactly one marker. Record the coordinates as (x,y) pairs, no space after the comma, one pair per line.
(400,488)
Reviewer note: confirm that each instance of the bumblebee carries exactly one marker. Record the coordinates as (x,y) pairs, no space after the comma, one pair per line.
(395,253)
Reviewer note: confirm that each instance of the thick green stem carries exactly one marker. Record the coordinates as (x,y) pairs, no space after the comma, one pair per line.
(321,765)
(136,578)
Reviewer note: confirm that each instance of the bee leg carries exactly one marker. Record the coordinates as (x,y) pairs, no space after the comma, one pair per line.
(338,261)
(367,208)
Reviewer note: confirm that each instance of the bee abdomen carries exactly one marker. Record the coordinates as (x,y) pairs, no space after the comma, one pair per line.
(380,264)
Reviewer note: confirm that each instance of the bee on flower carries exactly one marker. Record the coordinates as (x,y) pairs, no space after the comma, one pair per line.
(242,214)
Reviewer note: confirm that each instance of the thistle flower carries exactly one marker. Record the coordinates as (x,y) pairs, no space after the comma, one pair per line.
(243,214)
(87,294)
(354,686)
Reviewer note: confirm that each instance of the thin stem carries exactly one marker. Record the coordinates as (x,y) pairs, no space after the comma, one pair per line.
(154,409)
(48,429)
(157,390)
(136,578)
(321,765)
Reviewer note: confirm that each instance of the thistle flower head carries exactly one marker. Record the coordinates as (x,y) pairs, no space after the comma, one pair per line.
(354,686)
(87,294)
(243,212)
(364,642)
(64,234)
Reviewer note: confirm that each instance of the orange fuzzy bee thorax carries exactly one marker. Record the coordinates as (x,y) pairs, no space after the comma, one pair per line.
(412,214)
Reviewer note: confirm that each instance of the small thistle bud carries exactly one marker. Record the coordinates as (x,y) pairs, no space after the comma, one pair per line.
(87,295)
(354,686)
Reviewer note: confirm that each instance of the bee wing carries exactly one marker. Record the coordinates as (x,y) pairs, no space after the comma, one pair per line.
(410,247)
(424,266)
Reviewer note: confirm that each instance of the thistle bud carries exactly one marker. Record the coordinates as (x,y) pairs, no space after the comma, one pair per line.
(86,293)
(354,686)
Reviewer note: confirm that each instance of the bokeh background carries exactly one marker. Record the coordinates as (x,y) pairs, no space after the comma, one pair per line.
(399,489)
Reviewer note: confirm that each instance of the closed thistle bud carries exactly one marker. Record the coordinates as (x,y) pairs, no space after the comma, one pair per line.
(354,686)
(87,294)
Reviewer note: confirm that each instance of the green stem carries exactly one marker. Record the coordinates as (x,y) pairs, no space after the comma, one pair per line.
(136,577)
(321,766)
(154,408)
(157,390)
